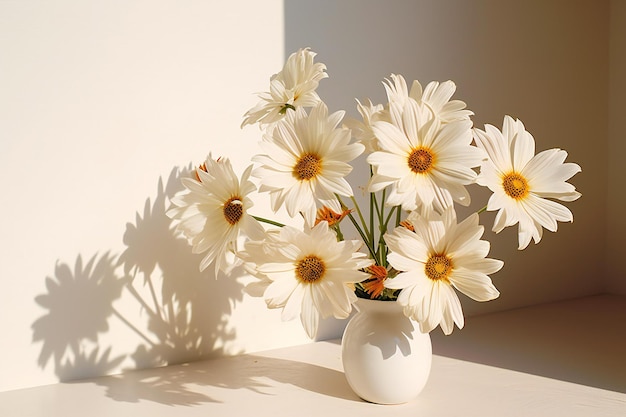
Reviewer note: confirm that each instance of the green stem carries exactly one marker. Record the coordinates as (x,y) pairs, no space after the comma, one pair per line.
(358,210)
(374,213)
(365,239)
(398,216)
(339,233)
(285,107)
(482,210)
(380,213)
(364,235)
(373,204)
(272,222)
(386,223)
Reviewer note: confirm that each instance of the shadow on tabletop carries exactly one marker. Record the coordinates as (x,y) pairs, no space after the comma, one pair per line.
(153,289)
(580,341)
(177,385)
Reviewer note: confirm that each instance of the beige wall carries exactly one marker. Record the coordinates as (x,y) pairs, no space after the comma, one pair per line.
(616,195)
(101,104)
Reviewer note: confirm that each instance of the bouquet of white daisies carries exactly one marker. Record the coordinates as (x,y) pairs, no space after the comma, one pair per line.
(411,248)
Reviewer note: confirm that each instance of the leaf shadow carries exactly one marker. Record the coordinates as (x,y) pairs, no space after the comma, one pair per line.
(153,288)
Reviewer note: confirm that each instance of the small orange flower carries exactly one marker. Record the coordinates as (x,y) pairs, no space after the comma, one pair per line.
(375,285)
(408,225)
(325,214)
(203,168)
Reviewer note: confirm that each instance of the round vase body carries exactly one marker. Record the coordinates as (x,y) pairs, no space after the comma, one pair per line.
(386,358)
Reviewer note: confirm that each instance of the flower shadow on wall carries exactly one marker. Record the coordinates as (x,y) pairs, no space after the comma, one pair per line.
(80,304)
(187,310)
(153,289)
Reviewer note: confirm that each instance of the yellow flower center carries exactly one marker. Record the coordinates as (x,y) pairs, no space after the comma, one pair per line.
(515,185)
(421,160)
(233,210)
(310,269)
(438,267)
(308,166)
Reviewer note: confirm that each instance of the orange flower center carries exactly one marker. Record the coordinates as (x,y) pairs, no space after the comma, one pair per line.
(310,269)
(308,166)
(421,160)
(515,185)
(438,267)
(233,210)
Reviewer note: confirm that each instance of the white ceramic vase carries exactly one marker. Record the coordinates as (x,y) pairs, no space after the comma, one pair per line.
(386,358)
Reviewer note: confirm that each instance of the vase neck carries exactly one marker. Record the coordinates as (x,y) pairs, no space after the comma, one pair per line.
(378,307)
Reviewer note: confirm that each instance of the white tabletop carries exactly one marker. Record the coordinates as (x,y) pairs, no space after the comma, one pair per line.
(308,380)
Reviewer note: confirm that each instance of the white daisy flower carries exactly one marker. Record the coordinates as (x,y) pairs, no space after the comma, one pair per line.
(291,88)
(305,162)
(362,131)
(213,211)
(308,273)
(522,182)
(436,258)
(426,163)
(436,96)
